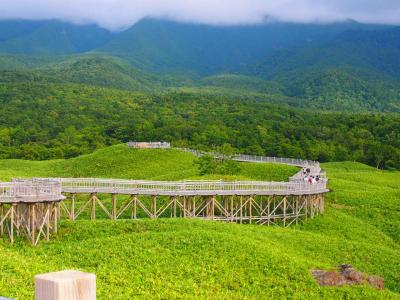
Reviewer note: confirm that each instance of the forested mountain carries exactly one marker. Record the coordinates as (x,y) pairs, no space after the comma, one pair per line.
(326,92)
(377,50)
(344,66)
(170,46)
(50,37)
(174,47)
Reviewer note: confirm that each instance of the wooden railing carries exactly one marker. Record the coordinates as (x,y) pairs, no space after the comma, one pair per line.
(51,188)
(255,158)
(149,145)
(91,185)
(30,190)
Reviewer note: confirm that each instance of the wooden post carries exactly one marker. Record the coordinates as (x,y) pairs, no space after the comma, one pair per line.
(194,207)
(93,215)
(154,199)
(33,224)
(213,208)
(245,208)
(312,206)
(65,285)
(114,206)
(72,211)
(184,206)
(59,210)
(174,206)
(17,218)
(225,203)
(306,205)
(189,206)
(1,218)
(134,207)
(232,200)
(241,209)
(250,209)
(47,221)
(284,211)
(55,208)
(12,223)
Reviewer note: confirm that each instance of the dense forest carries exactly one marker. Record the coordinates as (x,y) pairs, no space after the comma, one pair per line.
(44,121)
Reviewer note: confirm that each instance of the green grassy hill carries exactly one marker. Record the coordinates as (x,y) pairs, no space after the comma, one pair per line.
(168,258)
(121,161)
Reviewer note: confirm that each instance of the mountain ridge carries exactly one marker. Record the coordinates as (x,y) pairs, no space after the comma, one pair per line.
(341,66)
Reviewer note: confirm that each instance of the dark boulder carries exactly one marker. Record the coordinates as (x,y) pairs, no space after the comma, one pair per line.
(346,275)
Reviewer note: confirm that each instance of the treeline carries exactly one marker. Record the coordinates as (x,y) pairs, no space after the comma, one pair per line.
(47,121)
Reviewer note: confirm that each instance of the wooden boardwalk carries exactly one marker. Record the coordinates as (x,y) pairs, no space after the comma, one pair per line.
(190,188)
(29,208)
(32,208)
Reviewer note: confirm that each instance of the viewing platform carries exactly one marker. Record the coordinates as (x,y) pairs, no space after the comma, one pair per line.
(29,208)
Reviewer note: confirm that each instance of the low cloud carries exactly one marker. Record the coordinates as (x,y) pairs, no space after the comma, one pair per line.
(120,14)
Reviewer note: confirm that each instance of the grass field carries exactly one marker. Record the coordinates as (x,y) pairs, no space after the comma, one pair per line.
(122,162)
(199,259)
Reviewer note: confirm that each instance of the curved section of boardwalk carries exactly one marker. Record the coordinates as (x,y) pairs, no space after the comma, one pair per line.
(265,203)
(295,185)
(32,208)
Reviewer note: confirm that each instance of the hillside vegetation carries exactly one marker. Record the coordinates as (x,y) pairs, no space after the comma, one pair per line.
(46,121)
(121,161)
(191,258)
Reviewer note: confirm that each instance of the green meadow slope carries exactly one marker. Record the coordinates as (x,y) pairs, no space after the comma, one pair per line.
(122,162)
(168,258)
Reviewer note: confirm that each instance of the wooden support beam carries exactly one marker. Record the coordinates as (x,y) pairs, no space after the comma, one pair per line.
(184,206)
(48,205)
(12,223)
(33,223)
(93,201)
(306,206)
(213,208)
(1,218)
(232,208)
(134,207)
(250,209)
(174,207)
(154,206)
(194,207)
(72,210)
(114,206)
(241,209)
(55,216)
(284,210)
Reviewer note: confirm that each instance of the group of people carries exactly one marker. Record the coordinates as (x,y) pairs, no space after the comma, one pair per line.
(307,177)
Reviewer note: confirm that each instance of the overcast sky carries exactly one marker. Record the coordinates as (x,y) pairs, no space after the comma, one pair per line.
(119,14)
